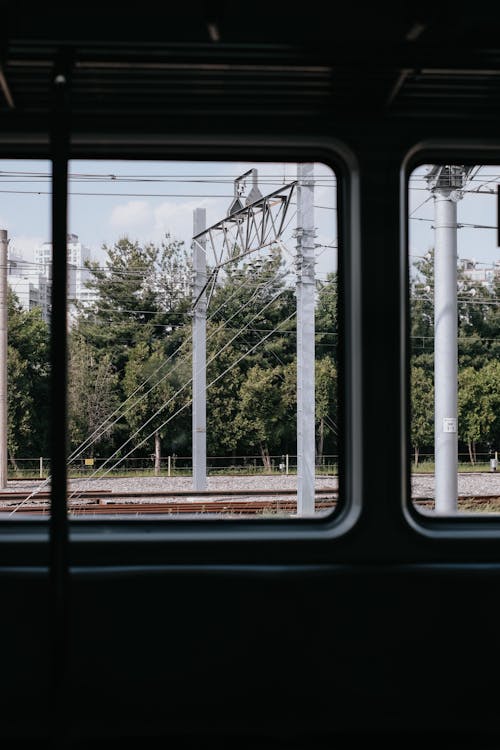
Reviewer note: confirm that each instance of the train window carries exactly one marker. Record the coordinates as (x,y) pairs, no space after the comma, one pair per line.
(25,319)
(454,338)
(202,341)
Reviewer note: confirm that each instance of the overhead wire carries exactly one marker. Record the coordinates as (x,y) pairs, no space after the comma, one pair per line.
(177,393)
(263,286)
(104,426)
(185,405)
(472,226)
(238,334)
(163,364)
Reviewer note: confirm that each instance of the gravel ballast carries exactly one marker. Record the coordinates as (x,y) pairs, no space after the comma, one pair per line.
(477,483)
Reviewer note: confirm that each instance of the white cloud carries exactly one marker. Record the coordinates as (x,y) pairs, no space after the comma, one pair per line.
(141,221)
(177,218)
(131,217)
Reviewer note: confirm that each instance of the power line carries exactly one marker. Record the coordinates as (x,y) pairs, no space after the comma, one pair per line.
(125,195)
(148,177)
(105,426)
(175,396)
(233,364)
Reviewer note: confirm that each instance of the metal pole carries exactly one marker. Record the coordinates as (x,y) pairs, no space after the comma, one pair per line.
(445,351)
(4,242)
(59,576)
(199,354)
(306,449)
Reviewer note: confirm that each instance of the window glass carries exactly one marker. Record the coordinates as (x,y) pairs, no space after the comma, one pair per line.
(455,338)
(25,316)
(203,340)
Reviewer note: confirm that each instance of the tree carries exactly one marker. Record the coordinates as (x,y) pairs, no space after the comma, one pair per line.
(479,322)
(422,297)
(260,421)
(92,396)
(326,402)
(28,381)
(479,406)
(251,303)
(224,379)
(326,322)
(247,327)
(142,299)
(158,392)
(422,409)
(478,316)
(20,404)
(142,294)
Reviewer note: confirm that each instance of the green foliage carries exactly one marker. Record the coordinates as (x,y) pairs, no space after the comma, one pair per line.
(422,305)
(478,323)
(142,294)
(130,356)
(137,322)
(28,381)
(261,422)
(93,396)
(248,304)
(224,380)
(20,402)
(155,387)
(248,337)
(327,318)
(326,403)
(479,406)
(422,409)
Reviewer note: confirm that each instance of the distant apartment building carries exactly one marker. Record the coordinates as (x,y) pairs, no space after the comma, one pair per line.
(480,272)
(32,281)
(78,275)
(31,286)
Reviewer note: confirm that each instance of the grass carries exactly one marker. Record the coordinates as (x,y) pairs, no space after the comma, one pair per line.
(429,467)
(423,467)
(467,505)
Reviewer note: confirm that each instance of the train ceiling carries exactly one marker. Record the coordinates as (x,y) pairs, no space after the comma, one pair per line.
(130,64)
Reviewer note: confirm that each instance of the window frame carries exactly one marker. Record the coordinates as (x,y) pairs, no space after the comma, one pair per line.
(463,526)
(119,541)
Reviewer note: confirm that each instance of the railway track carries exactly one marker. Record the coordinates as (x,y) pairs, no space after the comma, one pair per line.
(226,507)
(229,507)
(477,500)
(106,502)
(227,502)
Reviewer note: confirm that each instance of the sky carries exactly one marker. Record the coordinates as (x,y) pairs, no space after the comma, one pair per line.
(145,200)
(477,219)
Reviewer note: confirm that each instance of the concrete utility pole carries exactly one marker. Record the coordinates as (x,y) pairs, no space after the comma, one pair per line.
(306,444)
(446,184)
(199,352)
(3,356)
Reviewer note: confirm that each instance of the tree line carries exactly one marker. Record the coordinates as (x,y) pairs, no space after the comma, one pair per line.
(478,363)
(129,368)
(130,361)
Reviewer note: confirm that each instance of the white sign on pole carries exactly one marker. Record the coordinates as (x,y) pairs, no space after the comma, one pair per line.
(449,424)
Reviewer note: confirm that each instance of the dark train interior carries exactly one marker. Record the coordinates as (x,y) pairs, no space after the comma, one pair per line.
(377,624)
